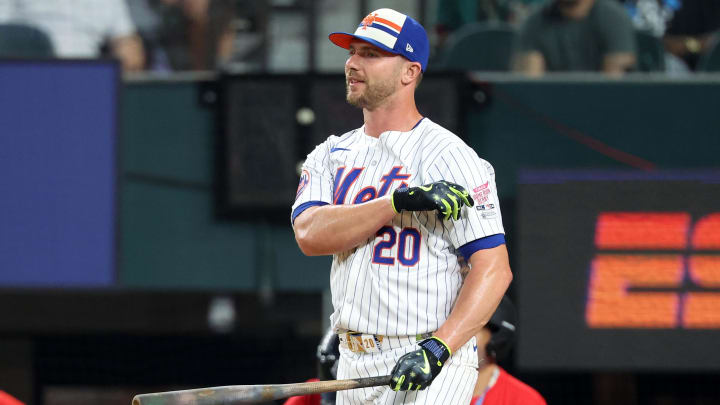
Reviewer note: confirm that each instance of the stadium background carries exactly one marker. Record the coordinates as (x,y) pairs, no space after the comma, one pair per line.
(189,276)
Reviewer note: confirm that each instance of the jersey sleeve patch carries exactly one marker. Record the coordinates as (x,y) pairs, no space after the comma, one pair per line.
(481,193)
(487,242)
(302,207)
(304,180)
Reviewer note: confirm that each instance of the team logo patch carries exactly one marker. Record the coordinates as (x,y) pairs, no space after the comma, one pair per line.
(368,20)
(304,180)
(382,26)
(481,193)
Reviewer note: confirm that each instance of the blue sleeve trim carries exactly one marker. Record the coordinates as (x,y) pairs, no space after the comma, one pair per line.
(487,242)
(302,207)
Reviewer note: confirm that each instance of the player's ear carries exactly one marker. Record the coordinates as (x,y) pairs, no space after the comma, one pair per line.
(411,72)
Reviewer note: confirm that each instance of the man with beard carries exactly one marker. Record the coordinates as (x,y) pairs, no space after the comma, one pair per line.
(576,35)
(401,203)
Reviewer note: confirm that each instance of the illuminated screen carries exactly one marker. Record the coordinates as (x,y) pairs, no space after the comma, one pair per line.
(57,159)
(619,270)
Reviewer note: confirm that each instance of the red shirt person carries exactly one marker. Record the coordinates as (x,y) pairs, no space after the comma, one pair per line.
(494,385)
(7,399)
(507,390)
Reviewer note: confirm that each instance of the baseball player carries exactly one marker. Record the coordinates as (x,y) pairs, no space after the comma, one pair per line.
(400,202)
(494,385)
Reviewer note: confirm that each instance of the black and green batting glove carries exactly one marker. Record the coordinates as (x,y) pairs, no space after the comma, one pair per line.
(445,197)
(416,370)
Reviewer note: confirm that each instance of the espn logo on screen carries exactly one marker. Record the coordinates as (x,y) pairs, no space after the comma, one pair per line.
(655,270)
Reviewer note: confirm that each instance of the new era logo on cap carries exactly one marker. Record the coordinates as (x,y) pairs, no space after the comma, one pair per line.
(391,31)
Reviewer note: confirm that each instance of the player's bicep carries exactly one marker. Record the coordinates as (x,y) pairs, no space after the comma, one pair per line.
(303,218)
(491,259)
(304,208)
(488,242)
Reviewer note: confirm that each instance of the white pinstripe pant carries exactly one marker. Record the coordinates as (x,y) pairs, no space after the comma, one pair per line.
(454,385)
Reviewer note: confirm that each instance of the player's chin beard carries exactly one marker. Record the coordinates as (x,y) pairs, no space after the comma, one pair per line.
(373,95)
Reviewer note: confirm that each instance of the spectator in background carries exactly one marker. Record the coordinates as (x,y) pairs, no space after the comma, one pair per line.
(495,386)
(328,356)
(652,16)
(185,34)
(80,28)
(692,29)
(576,35)
(453,14)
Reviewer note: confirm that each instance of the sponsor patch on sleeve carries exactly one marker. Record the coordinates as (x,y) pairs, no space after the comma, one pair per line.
(481,194)
(487,210)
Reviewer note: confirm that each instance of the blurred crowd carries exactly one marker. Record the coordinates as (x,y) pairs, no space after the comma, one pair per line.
(611,36)
(156,35)
(528,36)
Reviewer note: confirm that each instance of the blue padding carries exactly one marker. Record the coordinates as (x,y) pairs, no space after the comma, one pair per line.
(302,207)
(487,242)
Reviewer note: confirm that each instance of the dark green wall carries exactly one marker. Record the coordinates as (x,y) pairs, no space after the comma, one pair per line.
(543,124)
(170,237)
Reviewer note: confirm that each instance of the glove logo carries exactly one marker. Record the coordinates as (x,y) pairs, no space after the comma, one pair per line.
(417,370)
(426,368)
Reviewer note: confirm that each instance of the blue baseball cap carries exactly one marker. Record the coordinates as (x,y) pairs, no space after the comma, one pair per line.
(390,31)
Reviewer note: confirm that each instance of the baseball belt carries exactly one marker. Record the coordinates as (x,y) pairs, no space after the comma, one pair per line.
(358,342)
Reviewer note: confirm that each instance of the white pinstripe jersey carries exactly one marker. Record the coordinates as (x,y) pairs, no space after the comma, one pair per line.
(404,280)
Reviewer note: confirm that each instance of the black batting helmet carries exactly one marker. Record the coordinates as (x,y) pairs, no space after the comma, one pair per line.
(502,327)
(328,357)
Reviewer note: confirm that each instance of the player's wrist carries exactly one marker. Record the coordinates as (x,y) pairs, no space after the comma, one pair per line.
(438,348)
(397,199)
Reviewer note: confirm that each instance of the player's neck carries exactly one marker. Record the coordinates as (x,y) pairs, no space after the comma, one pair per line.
(395,115)
(485,374)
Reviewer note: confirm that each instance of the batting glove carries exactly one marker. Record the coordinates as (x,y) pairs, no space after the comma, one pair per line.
(445,197)
(416,370)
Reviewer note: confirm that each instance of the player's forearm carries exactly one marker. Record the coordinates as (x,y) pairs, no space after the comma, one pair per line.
(479,296)
(332,229)
(616,64)
(129,50)
(531,63)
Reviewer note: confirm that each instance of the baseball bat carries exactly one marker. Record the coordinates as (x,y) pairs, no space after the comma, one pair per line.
(238,394)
